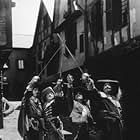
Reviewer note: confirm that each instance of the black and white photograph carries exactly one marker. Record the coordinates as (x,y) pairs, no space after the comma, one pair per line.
(67,67)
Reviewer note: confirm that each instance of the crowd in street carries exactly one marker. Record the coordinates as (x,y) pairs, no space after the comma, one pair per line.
(85,111)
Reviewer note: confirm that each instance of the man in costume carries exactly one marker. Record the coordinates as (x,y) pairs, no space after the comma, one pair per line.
(52,122)
(54,107)
(105,109)
(34,114)
(22,118)
(87,82)
(58,88)
(109,114)
(80,115)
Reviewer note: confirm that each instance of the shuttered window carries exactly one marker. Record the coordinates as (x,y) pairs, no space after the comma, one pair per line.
(20,64)
(113,14)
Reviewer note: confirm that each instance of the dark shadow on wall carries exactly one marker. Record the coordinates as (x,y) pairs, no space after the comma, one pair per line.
(126,69)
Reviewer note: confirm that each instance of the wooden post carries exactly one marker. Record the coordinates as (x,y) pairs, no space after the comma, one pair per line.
(86,32)
(1,95)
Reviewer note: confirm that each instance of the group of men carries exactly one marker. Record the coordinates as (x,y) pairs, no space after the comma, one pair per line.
(86,111)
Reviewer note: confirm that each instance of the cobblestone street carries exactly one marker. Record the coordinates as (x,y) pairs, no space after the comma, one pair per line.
(9,132)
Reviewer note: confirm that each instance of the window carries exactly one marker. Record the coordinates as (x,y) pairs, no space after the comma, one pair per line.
(46,33)
(113,14)
(42,24)
(124,12)
(39,52)
(43,49)
(46,21)
(71,38)
(81,43)
(39,37)
(97,21)
(49,29)
(42,35)
(108,15)
(20,64)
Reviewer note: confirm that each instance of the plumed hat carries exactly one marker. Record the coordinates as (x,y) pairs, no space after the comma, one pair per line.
(47,90)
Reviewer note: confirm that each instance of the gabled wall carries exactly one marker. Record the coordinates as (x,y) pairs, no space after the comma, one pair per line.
(17,79)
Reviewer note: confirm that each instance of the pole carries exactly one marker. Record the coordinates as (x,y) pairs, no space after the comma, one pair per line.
(112,25)
(128,11)
(86,32)
(1,95)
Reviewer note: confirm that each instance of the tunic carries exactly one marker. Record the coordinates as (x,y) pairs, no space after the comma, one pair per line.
(52,121)
(107,115)
(52,112)
(34,113)
(80,115)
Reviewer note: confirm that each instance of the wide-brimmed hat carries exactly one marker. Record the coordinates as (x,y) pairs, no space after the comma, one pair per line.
(113,83)
(47,90)
(107,81)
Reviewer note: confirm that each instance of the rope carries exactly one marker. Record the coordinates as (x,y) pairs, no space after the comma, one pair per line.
(49,61)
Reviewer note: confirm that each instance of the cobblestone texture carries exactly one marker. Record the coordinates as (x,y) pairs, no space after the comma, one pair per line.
(9,132)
